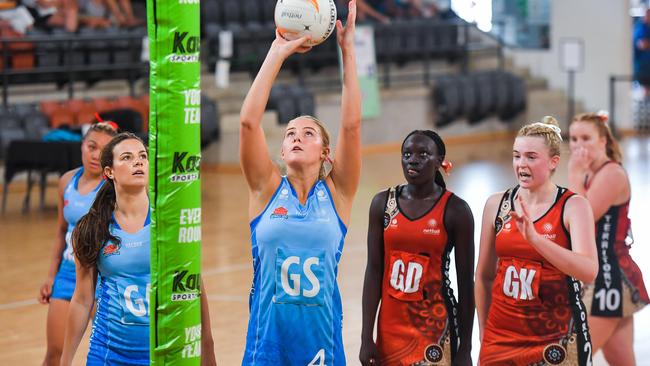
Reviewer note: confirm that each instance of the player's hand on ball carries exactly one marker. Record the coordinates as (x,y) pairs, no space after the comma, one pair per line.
(287,48)
(345,35)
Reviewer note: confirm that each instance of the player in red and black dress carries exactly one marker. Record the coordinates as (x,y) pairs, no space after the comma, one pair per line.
(412,230)
(618,292)
(536,244)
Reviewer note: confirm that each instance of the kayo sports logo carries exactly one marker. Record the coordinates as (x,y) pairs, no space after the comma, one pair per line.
(185,167)
(185,48)
(186,287)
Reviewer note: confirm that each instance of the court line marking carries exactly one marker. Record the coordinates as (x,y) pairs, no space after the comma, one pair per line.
(208,272)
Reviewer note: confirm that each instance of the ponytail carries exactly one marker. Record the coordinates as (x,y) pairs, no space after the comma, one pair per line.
(92,231)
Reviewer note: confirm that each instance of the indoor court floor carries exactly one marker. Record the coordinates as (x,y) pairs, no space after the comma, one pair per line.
(479,170)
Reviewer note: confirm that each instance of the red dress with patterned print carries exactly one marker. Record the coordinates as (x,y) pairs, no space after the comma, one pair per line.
(536,317)
(417,323)
(618,290)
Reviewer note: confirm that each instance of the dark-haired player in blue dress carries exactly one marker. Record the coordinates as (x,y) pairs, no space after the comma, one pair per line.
(113,241)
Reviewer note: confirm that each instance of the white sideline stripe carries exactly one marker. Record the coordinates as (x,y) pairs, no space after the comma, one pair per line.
(17,304)
(228,298)
(209,272)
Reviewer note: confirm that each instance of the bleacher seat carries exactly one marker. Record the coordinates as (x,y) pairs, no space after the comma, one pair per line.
(209,121)
(35,125)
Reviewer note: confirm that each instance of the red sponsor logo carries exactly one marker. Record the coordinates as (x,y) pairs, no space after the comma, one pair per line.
(65,203)
(280,212)
(111,249)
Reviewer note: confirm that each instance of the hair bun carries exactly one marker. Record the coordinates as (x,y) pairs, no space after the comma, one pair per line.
(550,120)
(447,166)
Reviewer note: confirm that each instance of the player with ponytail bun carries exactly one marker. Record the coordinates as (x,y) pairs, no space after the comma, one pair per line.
(537,243)
(595,172)
(413,228)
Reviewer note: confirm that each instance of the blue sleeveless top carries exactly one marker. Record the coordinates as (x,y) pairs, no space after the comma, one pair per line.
(295,305)
(75,205)
(120,332)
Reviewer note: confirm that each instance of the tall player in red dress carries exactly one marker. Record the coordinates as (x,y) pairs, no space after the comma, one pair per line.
(618,292)
(412,230)
(537,242)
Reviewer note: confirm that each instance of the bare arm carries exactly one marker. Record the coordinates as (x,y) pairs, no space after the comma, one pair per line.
(461,222)
(81,306)
(486,269)
(581,261)
(608,188)
(261,174)
(207,343)
(346,165)
(59,241)
(372,280)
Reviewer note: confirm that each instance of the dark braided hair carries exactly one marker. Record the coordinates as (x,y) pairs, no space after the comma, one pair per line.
(440,146)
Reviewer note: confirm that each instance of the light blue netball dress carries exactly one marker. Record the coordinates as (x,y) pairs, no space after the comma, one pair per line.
(295,305)
(75,206)
(120,332)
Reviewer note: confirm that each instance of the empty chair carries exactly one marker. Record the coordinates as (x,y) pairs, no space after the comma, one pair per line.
(278,92)
(501,88)
(35,125)
(48,107)
(24,109)
(484,97)
(468,97)
(268,10)
(9,119)
(304,100)
(251,11)
(104,104)
(447,100)
(231,11)
(126,102)
(210,12)
(7,135)
(62,117)
(286,108)
(127,119)
(209,121)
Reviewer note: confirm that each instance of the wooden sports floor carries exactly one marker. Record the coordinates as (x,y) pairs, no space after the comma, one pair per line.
(480,169)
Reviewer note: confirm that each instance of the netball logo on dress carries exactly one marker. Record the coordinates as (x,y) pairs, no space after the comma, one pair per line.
(111,249)
(432,229)
(280,213)
(548,228)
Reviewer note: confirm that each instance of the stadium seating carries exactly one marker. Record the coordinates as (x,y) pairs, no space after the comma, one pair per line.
(477,96)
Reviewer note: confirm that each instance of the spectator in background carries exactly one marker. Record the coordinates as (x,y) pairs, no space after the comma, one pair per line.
(101,14)
(367,10)
(433,8)
(642,52)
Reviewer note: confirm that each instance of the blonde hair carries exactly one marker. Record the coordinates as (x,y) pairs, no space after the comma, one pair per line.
(325,136)
(548,129)
(599,121)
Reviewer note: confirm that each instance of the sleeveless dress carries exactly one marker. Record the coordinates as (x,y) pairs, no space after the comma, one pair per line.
(618,290)
(536,316)
(120,331)
(417,319)
(295,305)
(75,206)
